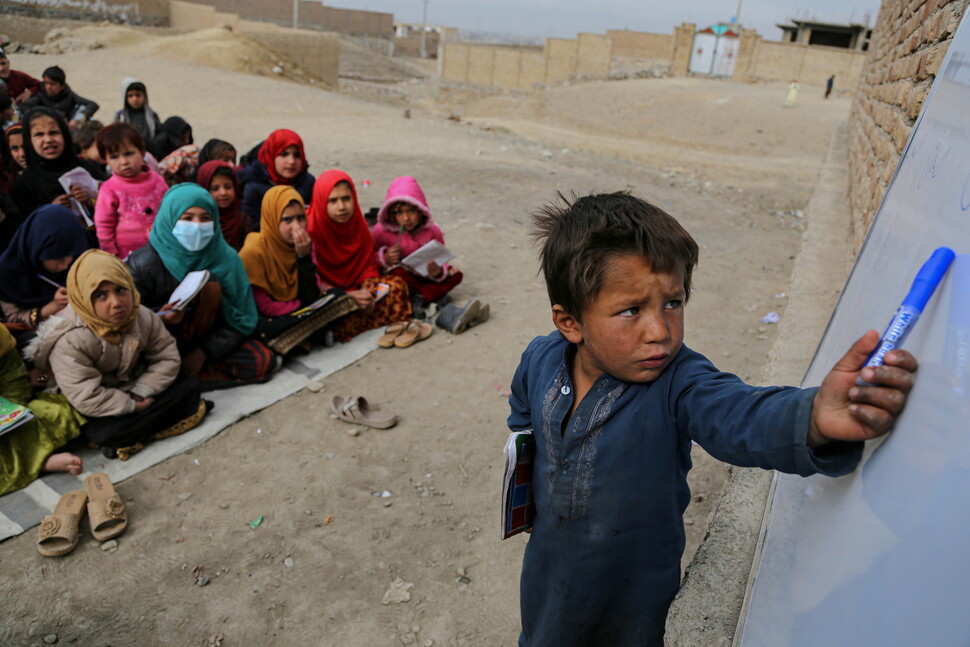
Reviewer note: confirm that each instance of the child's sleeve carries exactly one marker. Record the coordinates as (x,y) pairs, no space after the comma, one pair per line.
(752,426)
(80,381)
(520,417)
(270,307)
(162,355)
(106,220)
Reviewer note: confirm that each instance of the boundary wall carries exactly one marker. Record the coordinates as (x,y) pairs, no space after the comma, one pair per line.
(905,53)
(641,44)
(312,15)
(524,68)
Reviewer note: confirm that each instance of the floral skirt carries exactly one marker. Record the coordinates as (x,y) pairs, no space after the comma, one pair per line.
(395,306)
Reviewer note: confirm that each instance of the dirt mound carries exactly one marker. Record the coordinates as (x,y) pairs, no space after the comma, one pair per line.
(218,47)
(362,64)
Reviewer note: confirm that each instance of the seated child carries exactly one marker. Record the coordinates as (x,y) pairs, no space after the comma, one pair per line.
(85,142)
(136,110)
(280,160)
(20,85)
(57,95)
(180,165)
(50,154)
(214,331)
(34,265)
(30,449)
(219,179)
(129,199)
(404,224)
(614,399)
(217,150)
(174,133)
(114,359)
(279,263)
(14,136)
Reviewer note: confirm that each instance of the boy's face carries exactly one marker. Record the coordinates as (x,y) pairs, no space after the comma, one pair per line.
(633,329)
(135,99)
(4,67)
(52,87)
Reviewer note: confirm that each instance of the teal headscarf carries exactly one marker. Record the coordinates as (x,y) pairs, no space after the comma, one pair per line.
(222,261)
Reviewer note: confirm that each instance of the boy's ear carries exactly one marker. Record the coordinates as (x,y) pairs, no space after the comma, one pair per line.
(568,325)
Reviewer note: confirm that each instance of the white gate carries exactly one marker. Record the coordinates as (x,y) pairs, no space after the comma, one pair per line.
(715,51)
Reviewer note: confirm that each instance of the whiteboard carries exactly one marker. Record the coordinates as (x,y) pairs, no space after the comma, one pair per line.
(882,556)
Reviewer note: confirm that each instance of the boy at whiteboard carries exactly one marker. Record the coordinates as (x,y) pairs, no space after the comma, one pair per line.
(614,398)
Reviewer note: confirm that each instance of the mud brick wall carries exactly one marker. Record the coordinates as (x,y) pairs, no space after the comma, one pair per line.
(641,44)
(905,53)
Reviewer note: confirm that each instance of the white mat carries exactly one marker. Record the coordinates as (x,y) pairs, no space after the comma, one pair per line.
(24,509)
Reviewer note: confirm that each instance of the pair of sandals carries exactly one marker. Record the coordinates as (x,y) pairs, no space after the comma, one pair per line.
(403,334)
(107,515)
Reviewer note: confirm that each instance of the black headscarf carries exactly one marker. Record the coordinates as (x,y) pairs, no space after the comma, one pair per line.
(49,232)
(40,183)
(169,137)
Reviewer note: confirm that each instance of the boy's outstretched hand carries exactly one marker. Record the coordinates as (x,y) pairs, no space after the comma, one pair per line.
(844,410)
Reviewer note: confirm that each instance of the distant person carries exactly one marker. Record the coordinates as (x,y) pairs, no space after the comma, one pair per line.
(137,112)
(792,94)
(57,95)
(280,160)
(614,400)
(20,85)
(828,85)
(129,199)
(217,149)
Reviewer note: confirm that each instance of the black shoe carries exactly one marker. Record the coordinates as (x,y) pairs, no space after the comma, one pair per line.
(455,320)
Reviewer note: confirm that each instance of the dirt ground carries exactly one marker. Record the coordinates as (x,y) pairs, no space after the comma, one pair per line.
(725,158)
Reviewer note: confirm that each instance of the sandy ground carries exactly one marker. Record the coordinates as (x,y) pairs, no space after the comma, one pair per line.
(724,158)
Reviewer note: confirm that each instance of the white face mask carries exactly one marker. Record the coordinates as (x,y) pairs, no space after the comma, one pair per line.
(194,236)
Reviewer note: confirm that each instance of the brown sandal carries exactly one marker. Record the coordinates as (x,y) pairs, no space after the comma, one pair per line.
(391,334)
(58,531)
(106,510)
(415,332)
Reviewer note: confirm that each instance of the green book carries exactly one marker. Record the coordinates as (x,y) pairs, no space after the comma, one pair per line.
(12,415)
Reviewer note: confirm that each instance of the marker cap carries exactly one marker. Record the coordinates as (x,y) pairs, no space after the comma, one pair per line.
(928,278)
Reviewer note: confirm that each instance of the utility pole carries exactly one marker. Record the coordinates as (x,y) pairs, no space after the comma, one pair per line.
(737,14)
(424,32)
(296,14)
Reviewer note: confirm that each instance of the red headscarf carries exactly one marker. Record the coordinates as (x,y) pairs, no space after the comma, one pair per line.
(231,218)
(277,142)
(344,251)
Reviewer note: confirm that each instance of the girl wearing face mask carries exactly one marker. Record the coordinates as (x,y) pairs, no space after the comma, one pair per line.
(214,330)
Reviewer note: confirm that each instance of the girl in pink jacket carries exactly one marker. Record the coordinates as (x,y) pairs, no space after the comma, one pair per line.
(129,199)
(404,224)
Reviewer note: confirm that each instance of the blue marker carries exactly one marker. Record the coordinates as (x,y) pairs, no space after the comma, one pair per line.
(924,285)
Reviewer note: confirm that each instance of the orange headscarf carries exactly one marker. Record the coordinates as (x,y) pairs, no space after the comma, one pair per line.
(344,251)
(269,260)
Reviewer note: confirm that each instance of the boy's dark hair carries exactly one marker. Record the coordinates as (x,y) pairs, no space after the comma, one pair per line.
(112,137)
(55,73)
(84,136)
(580,239)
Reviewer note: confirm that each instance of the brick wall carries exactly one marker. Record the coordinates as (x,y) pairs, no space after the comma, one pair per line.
(523,68)
(907,47)
(312,15)
(641,44)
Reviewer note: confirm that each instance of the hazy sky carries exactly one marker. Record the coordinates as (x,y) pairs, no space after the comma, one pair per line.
(565,18)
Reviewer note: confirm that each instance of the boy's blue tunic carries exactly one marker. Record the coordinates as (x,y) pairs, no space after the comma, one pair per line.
(603,561)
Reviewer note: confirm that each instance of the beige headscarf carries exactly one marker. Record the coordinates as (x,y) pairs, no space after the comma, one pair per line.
(86,274)
(269,260)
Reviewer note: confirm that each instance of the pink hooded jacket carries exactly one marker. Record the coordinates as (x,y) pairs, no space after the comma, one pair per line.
(125,211)
(385,232)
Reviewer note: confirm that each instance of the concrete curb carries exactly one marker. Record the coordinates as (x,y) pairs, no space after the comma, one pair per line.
(706,610)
